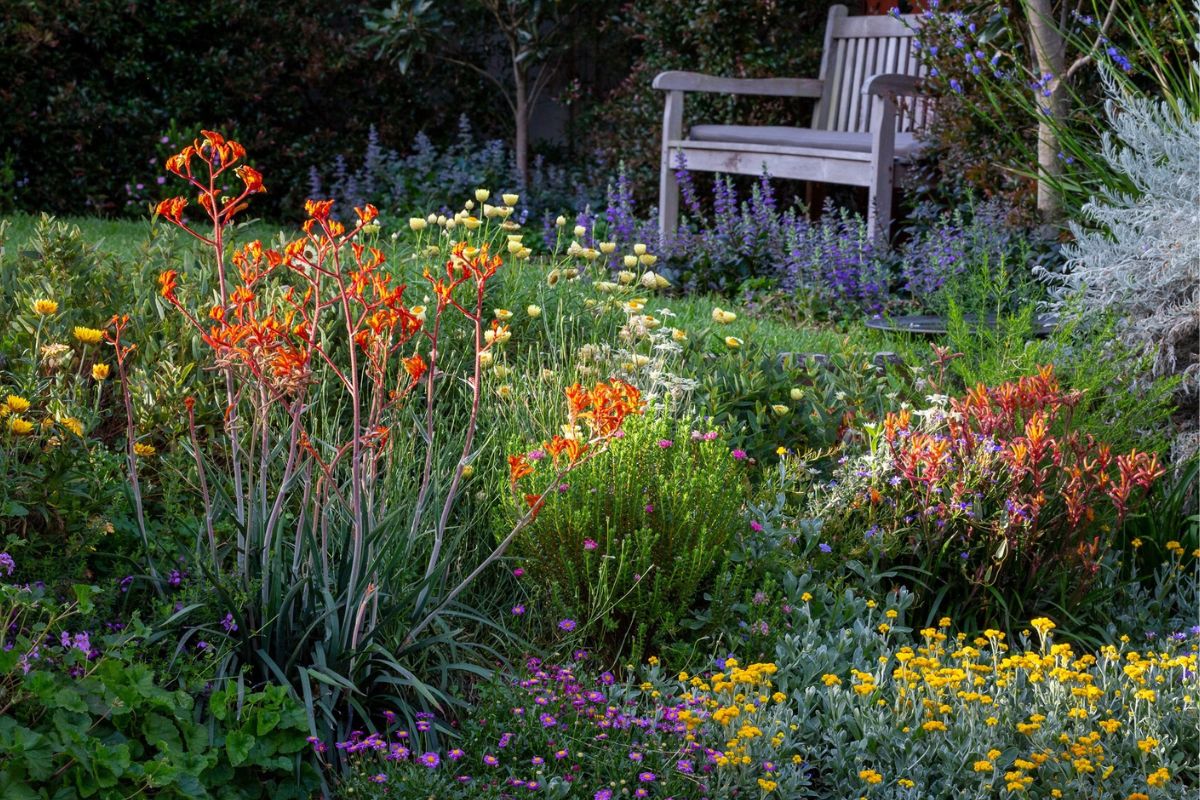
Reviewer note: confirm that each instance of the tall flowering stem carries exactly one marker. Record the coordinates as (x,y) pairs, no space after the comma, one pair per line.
(122,350)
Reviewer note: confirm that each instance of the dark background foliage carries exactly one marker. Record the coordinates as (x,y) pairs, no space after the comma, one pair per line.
(92,86)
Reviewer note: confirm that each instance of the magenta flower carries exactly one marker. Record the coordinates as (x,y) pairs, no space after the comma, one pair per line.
(739,455)
(665,443)
(455,754)
(589,544)
(647,777)
(518,610)
(756,526)
(430,760)
(490,760)
(518,572)
(567,625)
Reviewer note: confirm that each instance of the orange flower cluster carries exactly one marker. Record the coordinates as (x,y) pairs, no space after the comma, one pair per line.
(602,409)
(1008,432)
(276,335)
(466,263)
(217,154)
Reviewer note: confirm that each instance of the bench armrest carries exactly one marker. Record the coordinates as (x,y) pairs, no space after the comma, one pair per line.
(770,87)
(893,84)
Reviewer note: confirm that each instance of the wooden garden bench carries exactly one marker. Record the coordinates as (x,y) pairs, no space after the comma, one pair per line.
(867,111)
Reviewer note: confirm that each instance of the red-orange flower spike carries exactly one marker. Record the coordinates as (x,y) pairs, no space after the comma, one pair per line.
(518,467)
(415,366)
(318,209)
(368,214)
(535,503)
(168,282)
(252,178)
(172,209)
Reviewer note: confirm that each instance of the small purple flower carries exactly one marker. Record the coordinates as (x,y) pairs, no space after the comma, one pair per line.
(739,455)
(649,508)
(537,761)
(228,624)
(561,754)
(665,443)
(636,757)
(824,548)
(647,777)
(518,572)
(567,625)
(455,754)
(125,583)
(518,610)
(756,526)
(589,544)
(490,760)
(685,766)
(603,794)
(431,760)
(547,720)
(378,778)
(536,455)
(506,738)
(7,563)
(201,645)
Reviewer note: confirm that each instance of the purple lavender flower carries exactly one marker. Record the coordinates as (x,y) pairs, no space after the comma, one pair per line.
(7,564)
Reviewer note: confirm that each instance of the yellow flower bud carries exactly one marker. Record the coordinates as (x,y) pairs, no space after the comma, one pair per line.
(482,194)
(732,342)
(579,231)
(416,223)
(510,199)
(639,249)
(608,248)
(533,311)
(560,221)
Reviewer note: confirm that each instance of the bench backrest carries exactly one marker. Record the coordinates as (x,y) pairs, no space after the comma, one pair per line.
(855,49)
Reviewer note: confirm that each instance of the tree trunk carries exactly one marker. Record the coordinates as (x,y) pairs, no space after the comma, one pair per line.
(521,115)
(1049,52)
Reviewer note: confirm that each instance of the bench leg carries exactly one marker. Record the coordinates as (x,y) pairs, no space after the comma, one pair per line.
(668,201)
(668,186)
(879,209)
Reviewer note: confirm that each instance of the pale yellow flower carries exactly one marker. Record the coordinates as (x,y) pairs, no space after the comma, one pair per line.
(533,311)
(417,223)
(733,343)
(482,194)
(510,199)
(722,316)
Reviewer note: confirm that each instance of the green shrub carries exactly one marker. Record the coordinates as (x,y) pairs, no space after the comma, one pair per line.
(83,715)
(630,543)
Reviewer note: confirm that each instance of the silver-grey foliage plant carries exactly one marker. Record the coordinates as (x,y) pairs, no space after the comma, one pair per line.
(1138,254)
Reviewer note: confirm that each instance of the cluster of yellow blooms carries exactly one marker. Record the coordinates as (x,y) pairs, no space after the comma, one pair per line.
(949,685)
